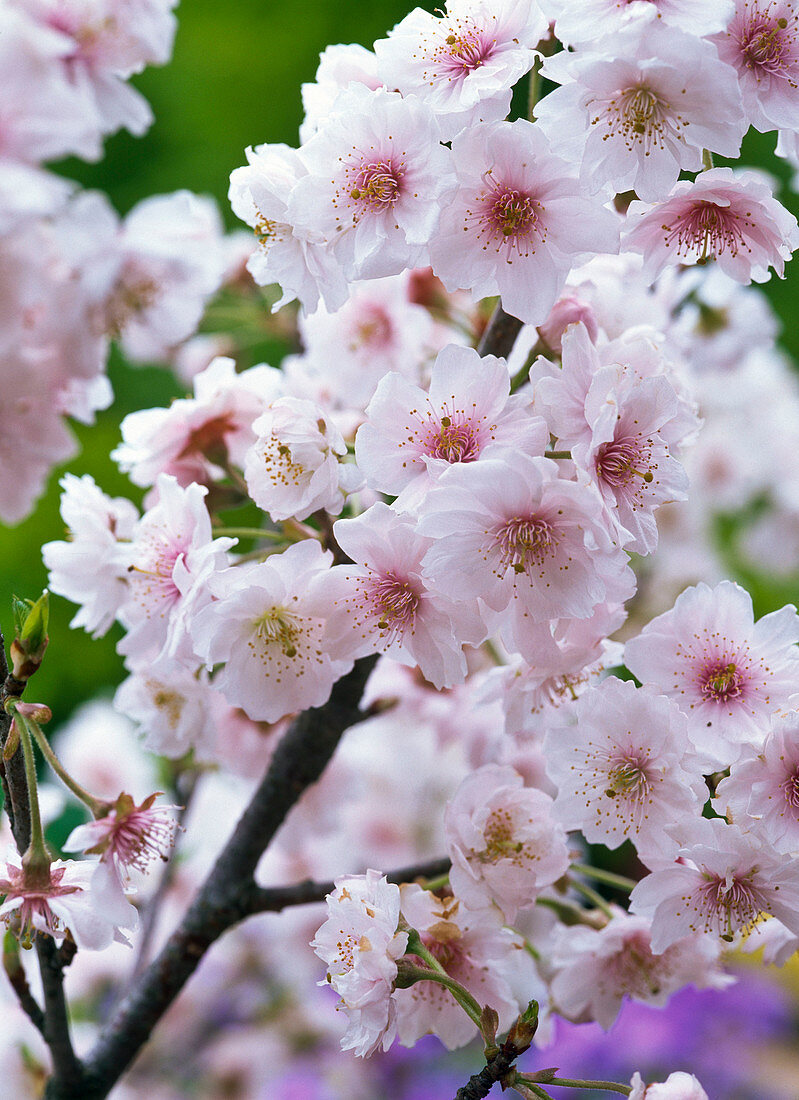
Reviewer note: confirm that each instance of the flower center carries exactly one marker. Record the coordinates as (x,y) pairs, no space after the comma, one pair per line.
(397,603)
(466,51)
(617,463)
(377,185)
(510,218)
(639,117)
(454,442)
(723,682)
(500,842)
(278,627)
(766,44)
(729,903)
(790,788)
(706,228)
(627,777)
(525,543)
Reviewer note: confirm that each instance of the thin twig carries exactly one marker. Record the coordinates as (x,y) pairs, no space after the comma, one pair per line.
(269,899)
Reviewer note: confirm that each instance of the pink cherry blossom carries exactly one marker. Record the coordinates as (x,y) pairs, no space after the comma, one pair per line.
(592,19)
(128,836)
(301,262)
(91,568)
(382,603)
(75,896)
(731,217)
(518,220)
(360,944)
(724,883)
(338,66)
(641,107)
(465,61)
(625,768)
(504,841)
(595,970)
(295,466)
(270,643)
(171,555)
(629,460)
(410,437)
(527,543)
(761,43)
(764,785)
(474,949)
(376,177)
(728,674)
(187,439)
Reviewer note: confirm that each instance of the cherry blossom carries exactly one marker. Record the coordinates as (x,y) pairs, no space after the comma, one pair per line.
(595,18)
(629,461)
(301,262)
(360,944)
(75,896)
(410,437)
(376,178)
(677,1086)
(91,568)
(474,949)
(625,768)
(529,544)
(294,466)
(338,66)
(731,217)
(171,555)
(641,108)
(462,62)
(764,784)
(382,603)
(728,674)
(128,836)
(504,841)
(518,220)
(725,882)
(761,43)
(187,439)
(596,969)
(270,643)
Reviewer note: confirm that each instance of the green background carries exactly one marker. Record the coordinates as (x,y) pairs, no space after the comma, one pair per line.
(234,81)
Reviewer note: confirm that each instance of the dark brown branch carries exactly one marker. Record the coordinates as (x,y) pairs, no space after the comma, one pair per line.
(66,1066)
(500,1062)
(270,899)
(299,760)
(500,335)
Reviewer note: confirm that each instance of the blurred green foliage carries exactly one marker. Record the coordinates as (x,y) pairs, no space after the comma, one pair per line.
(234,81)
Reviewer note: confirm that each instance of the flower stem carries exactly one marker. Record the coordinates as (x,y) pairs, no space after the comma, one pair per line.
(592,896)
(619,881)
(437,973)
(98,808)
(558,454)
(573,1083)
(248,533)
(36,856)
(707,160)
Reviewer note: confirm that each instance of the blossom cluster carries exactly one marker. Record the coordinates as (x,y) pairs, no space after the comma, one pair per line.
(485,523)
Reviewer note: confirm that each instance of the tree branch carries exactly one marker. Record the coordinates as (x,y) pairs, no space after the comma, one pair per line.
(223,900)
(500,335)
(270,899)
